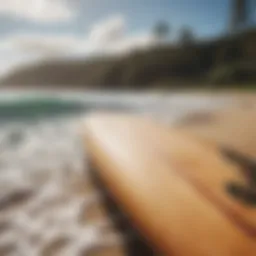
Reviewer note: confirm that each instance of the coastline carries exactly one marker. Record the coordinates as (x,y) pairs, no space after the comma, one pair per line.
(46,162)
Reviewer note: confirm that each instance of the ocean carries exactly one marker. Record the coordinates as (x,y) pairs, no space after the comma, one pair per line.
(41,156)
(41,129)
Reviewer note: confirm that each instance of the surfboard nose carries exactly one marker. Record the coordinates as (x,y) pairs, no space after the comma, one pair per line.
(172,185)
(112,125)
(103,119)
(106,119)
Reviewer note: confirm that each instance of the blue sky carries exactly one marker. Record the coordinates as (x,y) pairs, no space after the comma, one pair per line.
(32,30)
(206,17)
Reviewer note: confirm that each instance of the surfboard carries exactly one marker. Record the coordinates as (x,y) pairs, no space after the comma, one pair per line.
(182,194)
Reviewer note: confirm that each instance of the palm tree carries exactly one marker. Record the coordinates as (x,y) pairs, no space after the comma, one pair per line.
(161,31)
(238,14)
(186,36)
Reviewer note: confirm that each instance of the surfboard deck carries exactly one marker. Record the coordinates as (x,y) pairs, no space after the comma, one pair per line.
(172,186)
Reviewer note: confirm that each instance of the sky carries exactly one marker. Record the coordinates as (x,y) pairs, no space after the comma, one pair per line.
(32,30)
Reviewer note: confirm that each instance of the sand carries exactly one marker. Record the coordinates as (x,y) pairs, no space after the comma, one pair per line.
(48,204)
(233,127)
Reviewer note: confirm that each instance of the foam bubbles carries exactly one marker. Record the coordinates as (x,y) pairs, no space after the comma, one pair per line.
(46,160)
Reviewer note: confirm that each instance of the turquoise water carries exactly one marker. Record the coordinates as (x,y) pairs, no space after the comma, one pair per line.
(31,122)
(37,109)
(31,106)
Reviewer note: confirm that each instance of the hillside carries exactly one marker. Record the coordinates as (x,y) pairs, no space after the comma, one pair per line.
(227,60)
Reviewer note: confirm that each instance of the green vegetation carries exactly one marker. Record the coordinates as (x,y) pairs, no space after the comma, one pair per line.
(161,31)
(217,63)
(233,73)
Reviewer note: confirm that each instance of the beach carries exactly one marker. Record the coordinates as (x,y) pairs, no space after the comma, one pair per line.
(47,204)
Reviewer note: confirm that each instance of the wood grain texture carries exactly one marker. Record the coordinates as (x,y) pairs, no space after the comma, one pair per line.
(172,186)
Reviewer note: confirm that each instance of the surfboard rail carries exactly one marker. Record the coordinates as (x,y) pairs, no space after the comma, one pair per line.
(173,186)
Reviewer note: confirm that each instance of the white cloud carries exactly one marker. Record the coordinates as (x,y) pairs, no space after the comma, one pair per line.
(38,10)
(105,38)
(109,30)
(47,45)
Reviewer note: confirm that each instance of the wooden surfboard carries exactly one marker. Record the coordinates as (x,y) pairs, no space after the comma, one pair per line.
(174,188)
